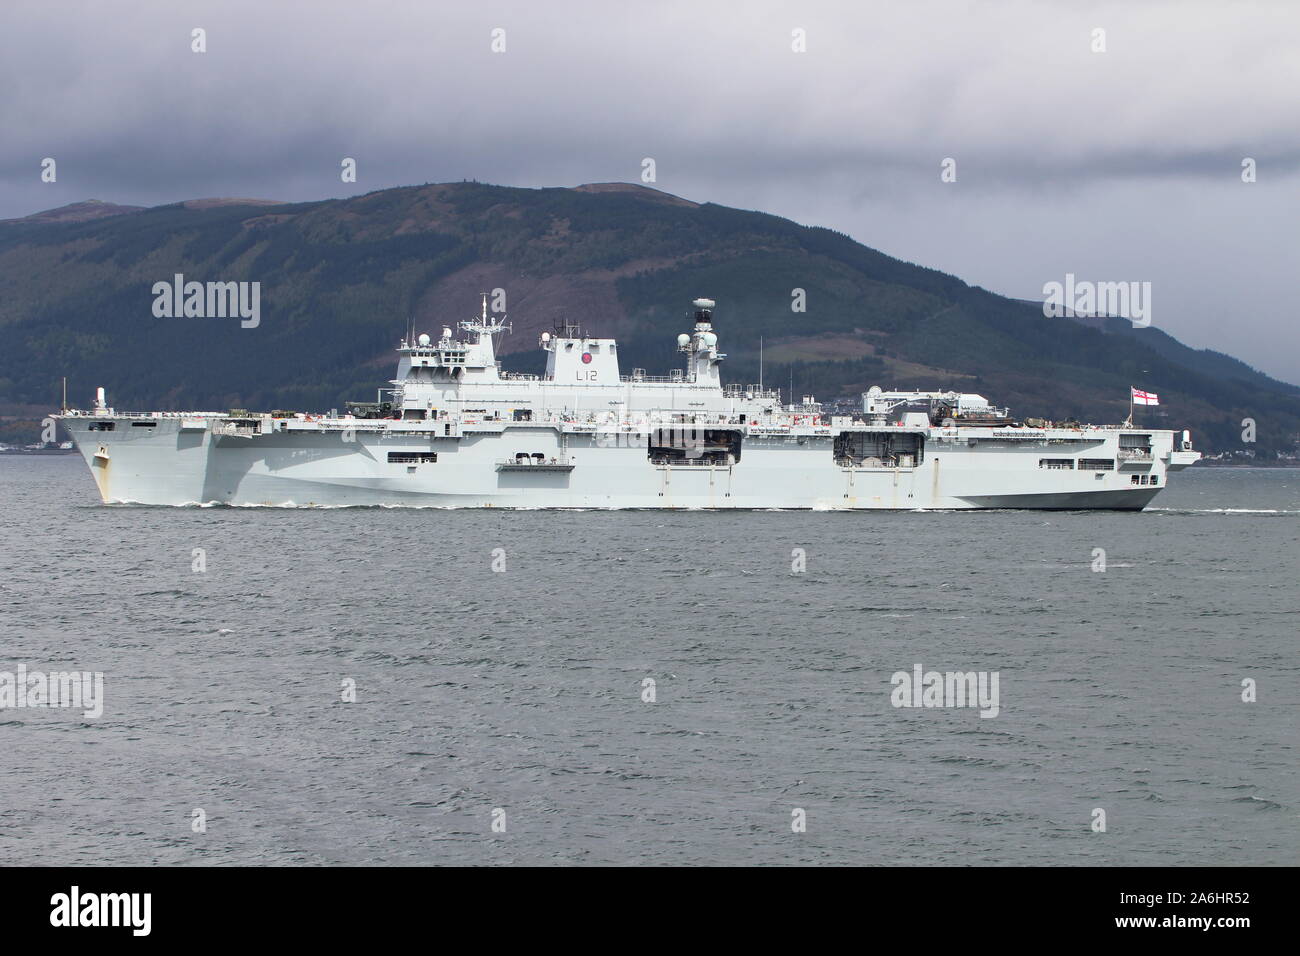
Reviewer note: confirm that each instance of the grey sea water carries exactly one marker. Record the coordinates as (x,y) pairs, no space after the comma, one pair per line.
(522,689)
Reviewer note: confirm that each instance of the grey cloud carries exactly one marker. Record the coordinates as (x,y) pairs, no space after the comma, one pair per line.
(1123,162)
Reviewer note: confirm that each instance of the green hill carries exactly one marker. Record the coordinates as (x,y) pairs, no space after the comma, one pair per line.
(340,279)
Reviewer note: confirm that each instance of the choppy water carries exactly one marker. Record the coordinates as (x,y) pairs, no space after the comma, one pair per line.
(522,690)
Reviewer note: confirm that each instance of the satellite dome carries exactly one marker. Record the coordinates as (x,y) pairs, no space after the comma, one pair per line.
(683,340)
(424,338)
(874,390)
(546,336)
(446,332)
(710,340)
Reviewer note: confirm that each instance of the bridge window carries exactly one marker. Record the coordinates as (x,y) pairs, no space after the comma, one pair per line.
(412,457)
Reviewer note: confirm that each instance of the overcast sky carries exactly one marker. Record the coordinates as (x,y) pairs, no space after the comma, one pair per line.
(1116,165)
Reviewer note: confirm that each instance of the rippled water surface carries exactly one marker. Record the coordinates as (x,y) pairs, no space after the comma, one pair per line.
(522,690)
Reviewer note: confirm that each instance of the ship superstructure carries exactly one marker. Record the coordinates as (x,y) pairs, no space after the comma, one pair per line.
(456,430)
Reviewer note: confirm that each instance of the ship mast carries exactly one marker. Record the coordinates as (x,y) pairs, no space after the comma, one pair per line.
(484,323)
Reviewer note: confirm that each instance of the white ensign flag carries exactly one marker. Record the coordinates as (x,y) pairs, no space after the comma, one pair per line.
(1143,398)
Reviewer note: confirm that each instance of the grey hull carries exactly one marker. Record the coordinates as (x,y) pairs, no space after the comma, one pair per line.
(160,462)
(1121,500)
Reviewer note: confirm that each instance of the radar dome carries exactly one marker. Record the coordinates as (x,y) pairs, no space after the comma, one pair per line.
(424,338)
(874,390)
(546,336)
(704,303)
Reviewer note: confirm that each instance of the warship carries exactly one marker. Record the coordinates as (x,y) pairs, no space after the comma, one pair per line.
(456,430)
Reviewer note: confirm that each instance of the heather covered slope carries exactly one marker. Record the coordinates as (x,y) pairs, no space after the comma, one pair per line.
(340,278)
